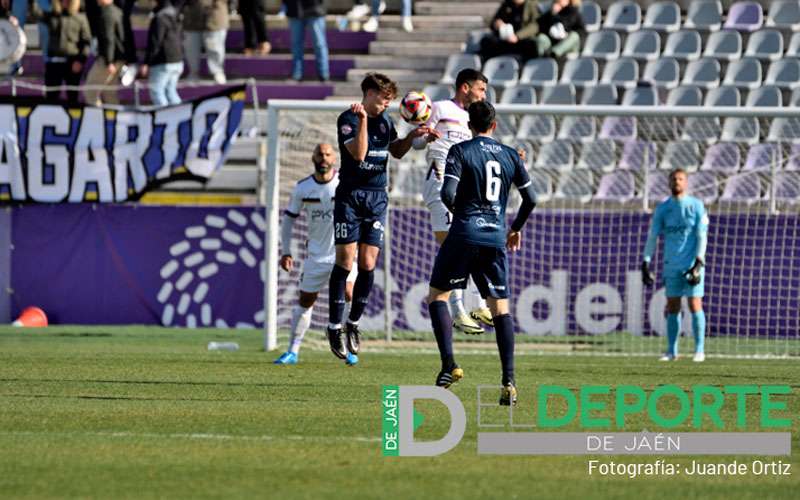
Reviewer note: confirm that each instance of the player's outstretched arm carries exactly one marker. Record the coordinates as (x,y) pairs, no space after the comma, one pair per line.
(400,147)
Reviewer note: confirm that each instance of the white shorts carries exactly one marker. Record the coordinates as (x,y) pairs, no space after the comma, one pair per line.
(431,195)
(316,275)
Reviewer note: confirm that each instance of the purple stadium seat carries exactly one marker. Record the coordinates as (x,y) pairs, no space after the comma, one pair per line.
(620,128)
(723,157)
(793,163)
(633,155)
(556,155)
(705,185)
(683,154)
(618,186)
(745,16)
(576,185)
(762,156)
(600,155)
(658,187)
(787,187)
(742,188)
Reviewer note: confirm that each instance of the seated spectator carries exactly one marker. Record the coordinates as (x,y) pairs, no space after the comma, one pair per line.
(514,30)
(560,29)
(163,63)
(110,53)
(67,49)
(253,14)
(205,24)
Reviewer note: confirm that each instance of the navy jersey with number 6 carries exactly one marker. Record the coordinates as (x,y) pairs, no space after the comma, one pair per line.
(485,170)
(369,174)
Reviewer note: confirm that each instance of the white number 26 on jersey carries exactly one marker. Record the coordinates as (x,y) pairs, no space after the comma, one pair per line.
(493,181)
(340,230)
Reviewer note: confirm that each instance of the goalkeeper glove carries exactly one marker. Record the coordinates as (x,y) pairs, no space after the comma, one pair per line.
(693,274)
(648,278)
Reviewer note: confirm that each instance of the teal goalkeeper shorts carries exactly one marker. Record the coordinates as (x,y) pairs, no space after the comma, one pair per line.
(676,285)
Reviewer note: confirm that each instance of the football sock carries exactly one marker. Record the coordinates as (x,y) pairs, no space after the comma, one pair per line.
(504,332)
(361,290)
(443,330)
(337,285)
(301,320)
(673,329)
(456,301)
(699,330)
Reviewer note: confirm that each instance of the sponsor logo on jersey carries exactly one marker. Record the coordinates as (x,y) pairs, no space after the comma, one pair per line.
(491,148)
(456,281)
(319,214)
(495,287)
(481,222)
(377,225)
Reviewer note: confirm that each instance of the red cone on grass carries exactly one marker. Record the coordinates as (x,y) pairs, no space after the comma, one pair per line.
(31,317)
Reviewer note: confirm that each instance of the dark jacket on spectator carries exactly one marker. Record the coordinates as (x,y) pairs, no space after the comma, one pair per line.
(164,36)
(522,17)
(205,15)
(569,16)
(304,9)
(69,30)
(111,34)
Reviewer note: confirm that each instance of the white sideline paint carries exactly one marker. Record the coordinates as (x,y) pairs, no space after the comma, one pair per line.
(197,436)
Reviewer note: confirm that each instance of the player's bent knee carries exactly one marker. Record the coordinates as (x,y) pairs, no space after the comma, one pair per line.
(695,304)
(673,305)
(435,294)
(498,307)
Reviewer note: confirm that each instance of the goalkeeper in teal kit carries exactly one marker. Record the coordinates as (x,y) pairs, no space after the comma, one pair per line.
(683,222)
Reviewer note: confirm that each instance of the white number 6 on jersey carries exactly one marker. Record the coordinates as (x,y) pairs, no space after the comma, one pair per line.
(493,181)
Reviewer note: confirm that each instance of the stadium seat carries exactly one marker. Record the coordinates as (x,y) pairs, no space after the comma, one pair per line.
(704,15)
(784,129)
(623,15)
(576,185)
(658,187)
(793,160)
(620,128)
(722,157)
(663,16)
(618,186)
(622,72)
(474,37)
(766,96)
(787,187)
(663,73)
(542,185)
(599,155)
(724,45)
(744,188)
(644,45)
(708,129)
(491,94)
(502,71)
(556,155)
(766,44)
(685,95)
(642,95)
(638,154)
(540,72)
(601,94)
(591,15)
(583,128)
(762,157)
(744,130)
(705,185)
(519,94)
(784,15)
(683,154)
(438,91)
(683,45)
(528,148)
(744,16)
(605,44)
(580,72)
(542,128)
(744,74)
(560,93)
(457,62)
(703,73)
(784,73)
(793,50)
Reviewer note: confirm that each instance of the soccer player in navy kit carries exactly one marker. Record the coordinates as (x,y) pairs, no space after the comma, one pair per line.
(366,138)
(478,176)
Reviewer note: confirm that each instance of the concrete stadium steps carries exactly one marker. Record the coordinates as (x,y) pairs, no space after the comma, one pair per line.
(401,76)
(414,49)
(483,9)
(433,63)
(431,36)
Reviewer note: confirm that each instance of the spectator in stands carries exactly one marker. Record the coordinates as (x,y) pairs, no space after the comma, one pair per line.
(110,53)
(514,30)
(131,59)
(20,11)
(304,14)
(68,47)
(253,14)
(205,24)
(163,61)
(378,7)
(560,29)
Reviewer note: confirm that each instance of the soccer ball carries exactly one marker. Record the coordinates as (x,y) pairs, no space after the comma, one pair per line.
(415,108)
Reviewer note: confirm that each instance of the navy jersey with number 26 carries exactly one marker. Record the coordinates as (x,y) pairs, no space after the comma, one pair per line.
(369,174)
(485,170)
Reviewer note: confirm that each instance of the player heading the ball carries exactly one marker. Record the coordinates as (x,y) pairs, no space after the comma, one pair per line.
(683,221)
(366,136)
(477,179)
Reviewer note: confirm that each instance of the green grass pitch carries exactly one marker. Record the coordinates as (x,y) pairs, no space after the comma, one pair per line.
(110,412)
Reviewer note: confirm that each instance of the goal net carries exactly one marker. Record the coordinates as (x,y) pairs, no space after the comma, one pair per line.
(599,171)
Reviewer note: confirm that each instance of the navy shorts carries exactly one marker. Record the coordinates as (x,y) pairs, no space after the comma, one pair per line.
(360,216)
(457,260)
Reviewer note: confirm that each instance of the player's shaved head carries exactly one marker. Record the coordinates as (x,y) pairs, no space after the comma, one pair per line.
(323,158)
(481,116)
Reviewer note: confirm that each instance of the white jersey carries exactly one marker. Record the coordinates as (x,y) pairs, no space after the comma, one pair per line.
(316,200)
(452,121)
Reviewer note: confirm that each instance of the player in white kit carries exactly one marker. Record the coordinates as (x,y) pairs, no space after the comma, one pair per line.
(450,118)
(315,196)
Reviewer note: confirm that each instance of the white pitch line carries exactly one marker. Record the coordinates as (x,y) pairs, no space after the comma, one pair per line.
(196,436)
